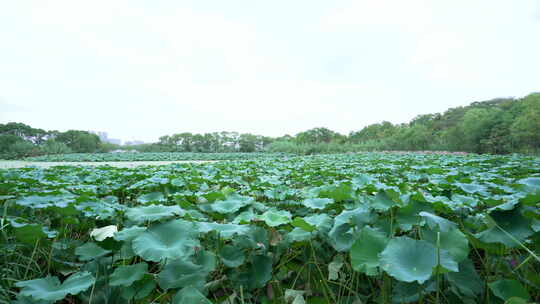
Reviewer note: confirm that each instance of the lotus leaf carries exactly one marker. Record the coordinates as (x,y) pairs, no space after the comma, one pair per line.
(50,288)
(152,213)
(126,275)
(171,240)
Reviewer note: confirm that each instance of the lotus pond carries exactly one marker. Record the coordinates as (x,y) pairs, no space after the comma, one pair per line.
(367,228)
(149,156)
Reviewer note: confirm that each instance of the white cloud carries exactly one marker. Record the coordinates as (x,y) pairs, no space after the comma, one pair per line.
(144,69)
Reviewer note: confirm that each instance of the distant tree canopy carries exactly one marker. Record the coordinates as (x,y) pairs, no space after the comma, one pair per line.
(212,142)
(19,140)
(502,125)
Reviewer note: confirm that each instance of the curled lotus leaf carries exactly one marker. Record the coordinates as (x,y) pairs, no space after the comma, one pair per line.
(152,213)
(171,240)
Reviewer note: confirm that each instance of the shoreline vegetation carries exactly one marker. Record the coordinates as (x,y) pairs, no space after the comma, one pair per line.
(497,126)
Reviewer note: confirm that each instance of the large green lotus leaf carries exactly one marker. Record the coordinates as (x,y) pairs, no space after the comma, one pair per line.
(531,199)
(151,197)
(298,235)
(232,204)
(181,273)
(506,289)
(30,233)
(126,275)
(341,237)
(437,223)
(509,205)
(206,259)
(50,288)
(232,256)
(530,184)
(213,196)
(274,217)
(245,217)
(301,223)
(39,202)
(128,234)
(513,223)
(257,275)
(466,279)
(338,193)
(357,217)
(362,180)
(382,201)
(90,251)
(99,210)
(471,188)
(366,249)
(317,203)
(125,252)
(403,292)
(178,182)
(171,240)
(321,222)
(152,213)
(408,216)
(463,200)
(453,241)
(409,260)
(257,238)
(190,295)
(224,230)
(139,289)
(28,300)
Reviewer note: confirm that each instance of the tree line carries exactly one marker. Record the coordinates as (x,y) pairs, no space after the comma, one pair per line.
(18,140)
(498,126)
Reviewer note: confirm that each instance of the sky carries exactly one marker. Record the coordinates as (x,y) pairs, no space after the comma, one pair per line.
(140,69)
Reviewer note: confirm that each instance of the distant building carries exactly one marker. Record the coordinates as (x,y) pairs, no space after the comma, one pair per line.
(105,138)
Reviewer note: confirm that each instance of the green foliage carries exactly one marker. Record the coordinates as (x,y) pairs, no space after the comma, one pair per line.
(166,241)
(151,156)
(497,126)
(18,140)
(50,288)
(357,228)
(506,289)
(152,213)
(366,249)
(127,275)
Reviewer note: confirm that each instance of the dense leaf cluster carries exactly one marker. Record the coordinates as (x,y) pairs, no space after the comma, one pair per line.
(370,228)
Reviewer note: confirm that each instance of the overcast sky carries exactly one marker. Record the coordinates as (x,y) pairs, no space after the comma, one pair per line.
(142,69)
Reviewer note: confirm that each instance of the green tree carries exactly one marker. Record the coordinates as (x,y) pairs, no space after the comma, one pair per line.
(248,143)
(526,128)
(318,135)
(80,141)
